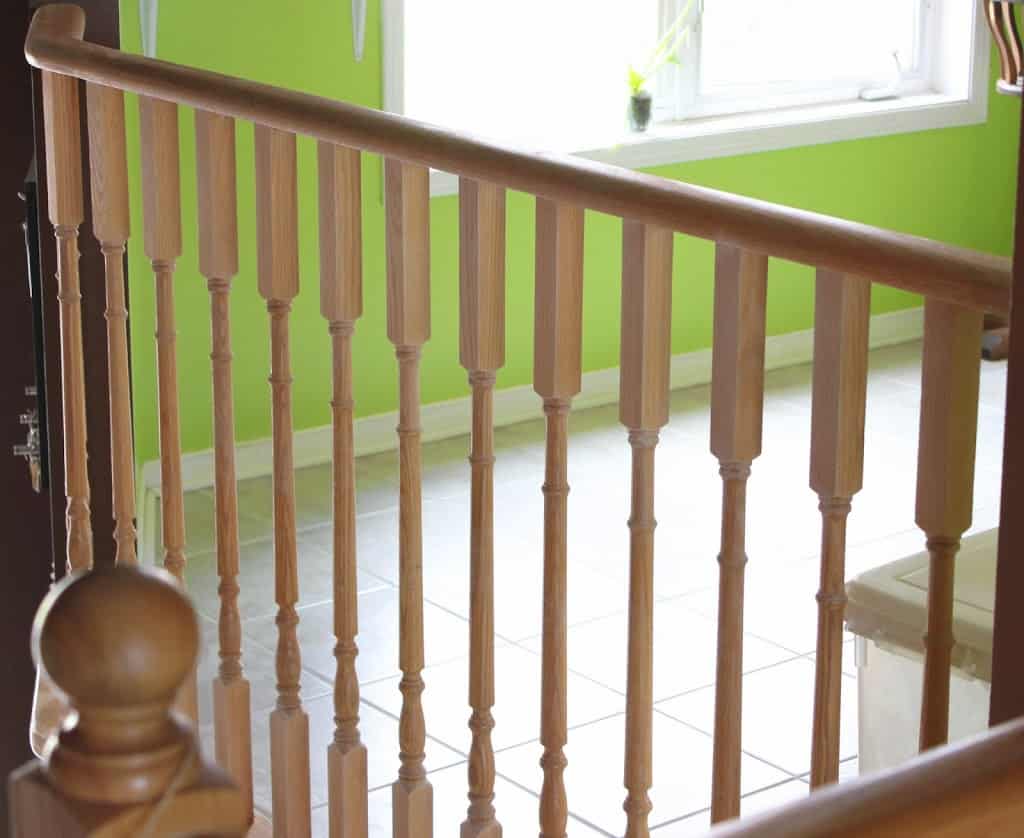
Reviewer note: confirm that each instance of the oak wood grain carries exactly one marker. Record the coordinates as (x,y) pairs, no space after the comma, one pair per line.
(407,236)
(737,402)
(108,168)
(482,353)
(971,788)
(123,764)
(643,409)
(65,204)
(161,217)
(277,227)
(842,308)
(945,486)
(557,377)
(217,215)
(341,275)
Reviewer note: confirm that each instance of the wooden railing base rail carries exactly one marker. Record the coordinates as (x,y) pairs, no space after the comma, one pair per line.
(972,788)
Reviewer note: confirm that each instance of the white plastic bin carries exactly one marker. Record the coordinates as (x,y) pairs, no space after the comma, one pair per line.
(887,614)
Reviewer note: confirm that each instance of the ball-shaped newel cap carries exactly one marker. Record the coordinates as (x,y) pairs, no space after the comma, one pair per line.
(116,637)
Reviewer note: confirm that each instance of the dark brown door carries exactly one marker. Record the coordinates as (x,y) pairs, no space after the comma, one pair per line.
(25,532)
(32,530)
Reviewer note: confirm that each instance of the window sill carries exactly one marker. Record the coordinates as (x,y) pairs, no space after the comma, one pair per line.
(702,139)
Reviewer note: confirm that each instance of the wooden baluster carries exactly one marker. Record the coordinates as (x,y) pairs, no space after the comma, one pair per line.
(407,208)
(643,409)
(945,486)
(277,225)
(842,307)
(1013,42)
(482,353)
(218,262)
(995,24)
(66,212)
(737,401)
(109,170)
(65,204)
(341,303)
(557,377)
(161,216)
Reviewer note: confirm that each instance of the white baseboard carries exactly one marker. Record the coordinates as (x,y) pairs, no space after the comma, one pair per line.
(442,420)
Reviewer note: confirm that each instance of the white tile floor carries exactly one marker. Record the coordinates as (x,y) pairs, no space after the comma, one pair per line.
(783,534)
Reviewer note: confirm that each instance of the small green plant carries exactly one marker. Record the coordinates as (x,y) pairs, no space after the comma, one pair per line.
(665,52)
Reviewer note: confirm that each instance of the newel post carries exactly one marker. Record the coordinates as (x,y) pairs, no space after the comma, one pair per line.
(126,764)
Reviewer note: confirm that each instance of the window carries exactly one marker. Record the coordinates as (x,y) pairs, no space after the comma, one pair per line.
(546,74)
(746,55)
(550,75)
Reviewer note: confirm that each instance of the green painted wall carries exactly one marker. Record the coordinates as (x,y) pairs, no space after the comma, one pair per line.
(954,185)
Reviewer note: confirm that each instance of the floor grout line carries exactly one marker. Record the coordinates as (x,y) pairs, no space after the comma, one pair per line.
(789,774)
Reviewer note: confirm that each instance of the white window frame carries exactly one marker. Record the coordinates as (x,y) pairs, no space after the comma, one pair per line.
(956,95)
(678,95)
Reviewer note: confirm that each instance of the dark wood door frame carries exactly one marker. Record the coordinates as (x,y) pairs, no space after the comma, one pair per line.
(33,525)
(25,554)
(1008,629)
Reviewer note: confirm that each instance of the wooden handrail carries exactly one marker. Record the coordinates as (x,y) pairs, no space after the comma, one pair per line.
(971,788)
(953,274)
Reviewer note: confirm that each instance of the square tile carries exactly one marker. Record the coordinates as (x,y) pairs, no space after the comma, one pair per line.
(256,579)
(517,707)
(752,804)
(518,562)
(682,772)
(446,636)
(376,489)
(778,707)
(779,604)
(684,650)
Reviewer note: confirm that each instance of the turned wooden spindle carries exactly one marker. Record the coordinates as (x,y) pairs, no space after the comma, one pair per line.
(482,354)
(737,401)
(945,486)
(277,229)
(65,205)
(842,307)
(1003,25)
(643,409)
(161,216)
(557,378)
(218,263)
(123,764)
(341,303)
(995,24)
(407,210)
(1013,39)
(110,224)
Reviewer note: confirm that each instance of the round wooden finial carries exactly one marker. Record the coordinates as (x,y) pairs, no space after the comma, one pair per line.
(119,642)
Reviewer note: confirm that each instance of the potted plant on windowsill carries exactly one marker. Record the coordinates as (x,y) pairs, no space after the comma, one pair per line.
(665,52)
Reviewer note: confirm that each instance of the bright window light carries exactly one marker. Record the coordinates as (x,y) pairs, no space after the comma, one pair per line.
(750,44)
(544,74)
(552,75)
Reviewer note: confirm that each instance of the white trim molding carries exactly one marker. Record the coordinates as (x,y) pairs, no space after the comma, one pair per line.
(956,96)
(443,420)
